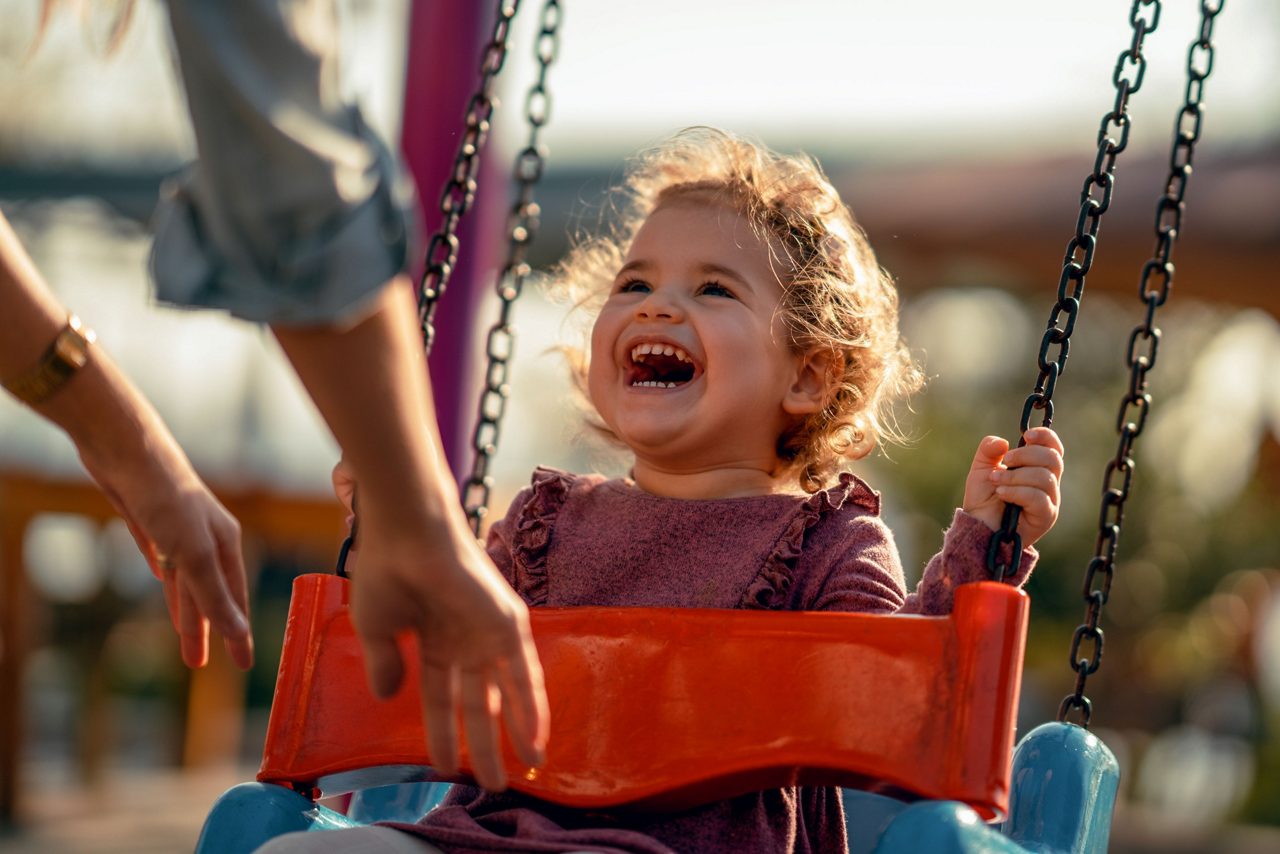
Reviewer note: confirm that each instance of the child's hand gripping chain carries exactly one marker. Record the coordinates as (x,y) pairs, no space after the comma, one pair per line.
(1028,476)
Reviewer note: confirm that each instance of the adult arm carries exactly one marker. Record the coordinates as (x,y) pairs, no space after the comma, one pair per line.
(420,569)
(187,536)
(291,217)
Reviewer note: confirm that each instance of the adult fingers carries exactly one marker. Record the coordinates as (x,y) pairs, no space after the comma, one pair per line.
(382,662)
(480,699)
(524,702)
(204,580)
(147,548)
(378,612)
(439,688)
(172,602)
(193,629)
(231,562)
(344,484)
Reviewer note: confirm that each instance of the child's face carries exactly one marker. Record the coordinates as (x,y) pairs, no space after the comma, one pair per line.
(690,365)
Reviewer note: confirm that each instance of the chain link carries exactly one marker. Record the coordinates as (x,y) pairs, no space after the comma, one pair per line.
(524,219)
(1140,358)
(460,191)
(455,201)
(442,252)
(1095,200)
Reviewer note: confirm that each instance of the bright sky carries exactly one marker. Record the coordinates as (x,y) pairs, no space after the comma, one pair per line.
(854,77)
(887,76)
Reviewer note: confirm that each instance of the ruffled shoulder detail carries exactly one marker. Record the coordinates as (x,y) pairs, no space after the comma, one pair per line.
(770,589)
(534,524)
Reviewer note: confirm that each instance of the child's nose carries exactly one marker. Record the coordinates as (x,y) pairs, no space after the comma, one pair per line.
(658,305)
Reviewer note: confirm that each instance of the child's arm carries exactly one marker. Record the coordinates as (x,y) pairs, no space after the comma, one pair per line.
(1028,477)
(864,572)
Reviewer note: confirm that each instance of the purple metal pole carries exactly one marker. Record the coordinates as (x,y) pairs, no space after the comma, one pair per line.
(442,72)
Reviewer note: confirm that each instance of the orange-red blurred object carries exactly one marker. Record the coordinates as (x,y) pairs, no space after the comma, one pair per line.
(666,708)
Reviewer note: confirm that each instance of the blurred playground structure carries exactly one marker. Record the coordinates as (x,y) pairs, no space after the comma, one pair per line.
(965,171)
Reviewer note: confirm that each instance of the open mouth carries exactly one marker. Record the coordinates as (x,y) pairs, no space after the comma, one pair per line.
(660,366)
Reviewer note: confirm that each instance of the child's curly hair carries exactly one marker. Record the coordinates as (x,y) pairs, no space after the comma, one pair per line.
(835,296)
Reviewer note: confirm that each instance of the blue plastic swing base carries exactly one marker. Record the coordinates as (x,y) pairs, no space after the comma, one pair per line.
(1063,792)
(249,814)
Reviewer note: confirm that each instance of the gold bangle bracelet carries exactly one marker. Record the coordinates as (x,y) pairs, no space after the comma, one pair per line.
(68,353)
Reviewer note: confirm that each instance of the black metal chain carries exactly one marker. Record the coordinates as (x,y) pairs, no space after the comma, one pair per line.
(1095,199)
(460,191)
(455,201)
(524,219)
(1153,289)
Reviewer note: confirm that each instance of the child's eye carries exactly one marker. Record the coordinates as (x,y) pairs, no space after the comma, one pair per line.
(632,286)
(715,289)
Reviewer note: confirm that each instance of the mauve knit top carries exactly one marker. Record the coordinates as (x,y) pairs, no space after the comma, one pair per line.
(584,540)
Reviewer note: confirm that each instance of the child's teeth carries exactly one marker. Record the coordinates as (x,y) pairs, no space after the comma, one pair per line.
(660,350)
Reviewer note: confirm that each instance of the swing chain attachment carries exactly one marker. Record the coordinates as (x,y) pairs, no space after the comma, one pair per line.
(1140,358)
(1095,200)
(460,191)
(523,226)
(344,553)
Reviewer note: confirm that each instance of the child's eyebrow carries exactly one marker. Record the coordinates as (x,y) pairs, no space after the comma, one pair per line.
(639,265)
(706,268)
(711,269)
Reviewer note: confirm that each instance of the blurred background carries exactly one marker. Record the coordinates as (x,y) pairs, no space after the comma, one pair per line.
(959,133)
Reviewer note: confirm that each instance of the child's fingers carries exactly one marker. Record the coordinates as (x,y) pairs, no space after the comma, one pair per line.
(1036,477)
(1045,437)
(1035,456)
(990,451)
(1035,502)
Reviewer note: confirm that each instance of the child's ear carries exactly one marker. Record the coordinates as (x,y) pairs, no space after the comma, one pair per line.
(814,381)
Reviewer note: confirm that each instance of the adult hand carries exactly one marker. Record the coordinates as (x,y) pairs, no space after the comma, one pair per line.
(191,543)
(474,643)
(1028,476)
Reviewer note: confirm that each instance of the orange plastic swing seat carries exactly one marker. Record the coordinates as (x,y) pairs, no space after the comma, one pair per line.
(666,708)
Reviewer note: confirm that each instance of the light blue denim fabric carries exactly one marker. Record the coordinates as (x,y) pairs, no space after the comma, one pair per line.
(294,213)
